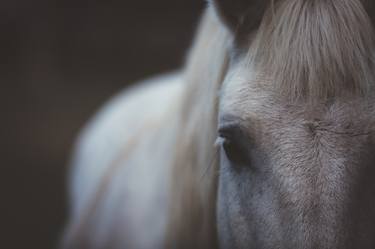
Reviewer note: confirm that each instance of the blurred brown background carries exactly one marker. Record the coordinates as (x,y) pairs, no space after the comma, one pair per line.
(60,60)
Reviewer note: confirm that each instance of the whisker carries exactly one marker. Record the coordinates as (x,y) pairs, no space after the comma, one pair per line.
(213,162)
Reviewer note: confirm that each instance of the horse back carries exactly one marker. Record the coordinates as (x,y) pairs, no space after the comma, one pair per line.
(120,170)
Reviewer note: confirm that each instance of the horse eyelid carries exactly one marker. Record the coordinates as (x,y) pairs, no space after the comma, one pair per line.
(231,130)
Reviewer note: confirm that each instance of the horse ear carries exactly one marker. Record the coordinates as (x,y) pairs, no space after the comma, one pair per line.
(241,16)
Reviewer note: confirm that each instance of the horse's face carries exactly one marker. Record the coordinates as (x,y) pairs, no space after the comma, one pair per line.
(298,172)
(294,175)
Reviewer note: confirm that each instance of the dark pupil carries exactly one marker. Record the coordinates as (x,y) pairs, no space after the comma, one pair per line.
(236,152)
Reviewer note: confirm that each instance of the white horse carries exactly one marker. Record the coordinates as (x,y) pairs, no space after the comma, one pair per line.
(264,140)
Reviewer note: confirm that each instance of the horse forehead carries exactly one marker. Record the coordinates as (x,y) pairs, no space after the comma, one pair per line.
(251,97)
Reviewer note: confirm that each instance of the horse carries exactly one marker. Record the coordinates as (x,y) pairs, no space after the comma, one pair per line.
(265,139)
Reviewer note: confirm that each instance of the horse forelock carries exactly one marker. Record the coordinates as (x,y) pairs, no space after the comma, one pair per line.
(316,49)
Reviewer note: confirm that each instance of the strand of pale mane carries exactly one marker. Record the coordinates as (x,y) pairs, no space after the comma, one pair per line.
(192,211)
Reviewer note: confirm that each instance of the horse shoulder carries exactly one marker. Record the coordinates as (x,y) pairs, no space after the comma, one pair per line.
(120,166)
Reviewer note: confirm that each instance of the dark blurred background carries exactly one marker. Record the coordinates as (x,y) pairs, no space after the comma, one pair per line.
(60,60)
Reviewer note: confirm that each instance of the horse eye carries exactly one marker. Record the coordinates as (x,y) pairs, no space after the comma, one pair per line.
(236,153)
(235,146)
